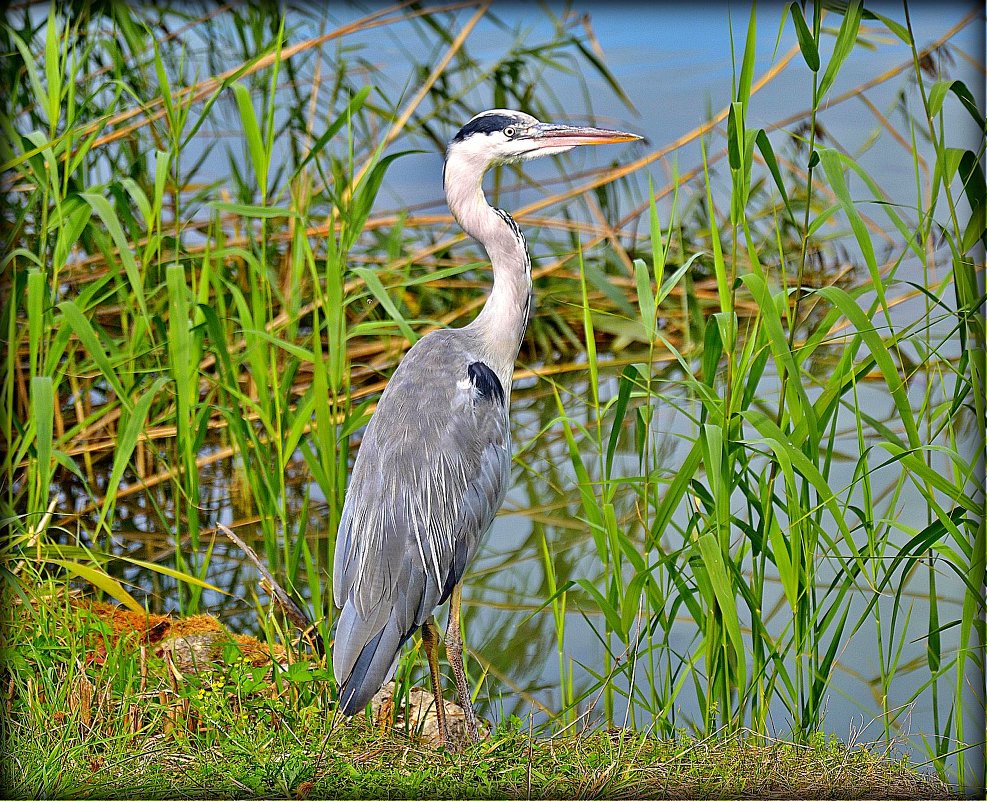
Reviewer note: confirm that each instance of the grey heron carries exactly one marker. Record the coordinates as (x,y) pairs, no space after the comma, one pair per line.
(434,464)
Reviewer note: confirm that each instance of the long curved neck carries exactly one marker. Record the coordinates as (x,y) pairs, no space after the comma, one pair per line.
(500,324)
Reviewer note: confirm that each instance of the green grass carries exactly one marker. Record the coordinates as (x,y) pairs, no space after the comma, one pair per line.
(129,725)
(757,503)
(362,765)
(719,469)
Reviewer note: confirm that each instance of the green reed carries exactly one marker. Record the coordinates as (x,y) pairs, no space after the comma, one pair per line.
(756,486)
(157,319)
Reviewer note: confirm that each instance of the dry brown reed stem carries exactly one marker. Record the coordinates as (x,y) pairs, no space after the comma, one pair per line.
(887,126)
(598,180)
(610,233)
(701,130)
(398,126)
(227,452)
(199,91)
(278,594)
(304,180)
(604,177)
(598,236)
(976,63)
(885,76)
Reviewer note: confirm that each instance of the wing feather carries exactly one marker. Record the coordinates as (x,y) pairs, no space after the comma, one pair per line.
(430,475)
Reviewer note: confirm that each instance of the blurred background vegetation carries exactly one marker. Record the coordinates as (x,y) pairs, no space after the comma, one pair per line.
(749,414)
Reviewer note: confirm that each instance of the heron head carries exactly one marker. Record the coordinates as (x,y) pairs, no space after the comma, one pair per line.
(502,136)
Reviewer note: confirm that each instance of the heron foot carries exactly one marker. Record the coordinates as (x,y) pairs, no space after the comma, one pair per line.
(430,641)
(385,715)
(454,655)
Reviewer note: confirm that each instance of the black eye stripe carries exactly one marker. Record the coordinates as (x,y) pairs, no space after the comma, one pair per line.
(488,123)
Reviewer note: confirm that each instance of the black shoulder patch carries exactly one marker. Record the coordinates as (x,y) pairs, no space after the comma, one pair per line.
(485,124)
(485,380)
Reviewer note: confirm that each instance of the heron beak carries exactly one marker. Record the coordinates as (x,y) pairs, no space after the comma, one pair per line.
(548,135)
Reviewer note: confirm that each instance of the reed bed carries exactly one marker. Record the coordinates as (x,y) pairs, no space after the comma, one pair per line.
(205,288)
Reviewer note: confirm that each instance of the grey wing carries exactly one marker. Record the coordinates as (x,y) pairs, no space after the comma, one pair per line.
(430,475)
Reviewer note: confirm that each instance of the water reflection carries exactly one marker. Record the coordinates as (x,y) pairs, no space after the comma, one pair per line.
(512,634)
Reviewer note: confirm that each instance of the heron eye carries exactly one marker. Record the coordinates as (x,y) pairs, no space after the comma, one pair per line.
(510,132)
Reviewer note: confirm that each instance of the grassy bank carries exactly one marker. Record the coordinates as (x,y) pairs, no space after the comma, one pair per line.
(104,708)
(353,765)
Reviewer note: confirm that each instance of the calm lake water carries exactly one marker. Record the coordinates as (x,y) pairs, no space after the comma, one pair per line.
(674,63)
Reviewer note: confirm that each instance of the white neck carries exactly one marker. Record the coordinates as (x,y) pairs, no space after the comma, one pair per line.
(500,324)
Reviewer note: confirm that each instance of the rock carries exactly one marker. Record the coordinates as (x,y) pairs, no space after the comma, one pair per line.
(418,714)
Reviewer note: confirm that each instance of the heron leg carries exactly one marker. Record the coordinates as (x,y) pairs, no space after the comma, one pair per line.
(454,654)
(430,640)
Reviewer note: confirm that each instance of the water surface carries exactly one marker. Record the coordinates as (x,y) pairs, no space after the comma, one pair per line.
(674,63)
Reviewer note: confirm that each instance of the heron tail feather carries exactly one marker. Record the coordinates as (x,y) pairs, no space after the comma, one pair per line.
(362,671)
